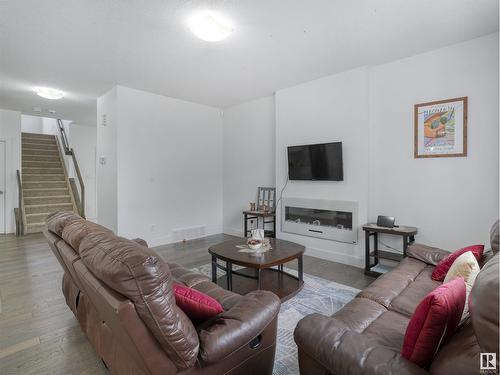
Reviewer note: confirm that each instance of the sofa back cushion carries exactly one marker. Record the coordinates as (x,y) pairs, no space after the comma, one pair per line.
(58,220)
(483,306)
(139,274)
(77,229)
(494,236)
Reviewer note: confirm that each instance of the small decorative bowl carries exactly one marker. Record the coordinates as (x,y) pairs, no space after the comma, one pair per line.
(254,244)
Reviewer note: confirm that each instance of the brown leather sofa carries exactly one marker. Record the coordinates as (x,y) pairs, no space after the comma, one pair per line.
(121,293)
(366,336)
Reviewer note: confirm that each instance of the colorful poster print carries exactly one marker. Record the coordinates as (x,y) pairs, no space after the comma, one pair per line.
(441,128)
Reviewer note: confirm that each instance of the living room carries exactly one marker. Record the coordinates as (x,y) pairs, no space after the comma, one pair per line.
(169,121)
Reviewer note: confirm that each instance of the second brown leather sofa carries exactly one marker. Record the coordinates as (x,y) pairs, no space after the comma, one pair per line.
(121,293)
(366,336)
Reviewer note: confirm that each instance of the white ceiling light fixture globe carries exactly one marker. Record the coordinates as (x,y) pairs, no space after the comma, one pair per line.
(48,93)
(210,27)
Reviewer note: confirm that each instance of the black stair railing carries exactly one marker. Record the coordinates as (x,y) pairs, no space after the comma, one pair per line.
(18,211)
(79,199)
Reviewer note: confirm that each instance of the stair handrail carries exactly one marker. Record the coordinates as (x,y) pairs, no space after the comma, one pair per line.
(19,210)
(70,152)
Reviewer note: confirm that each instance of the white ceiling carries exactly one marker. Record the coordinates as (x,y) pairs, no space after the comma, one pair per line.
(85,47)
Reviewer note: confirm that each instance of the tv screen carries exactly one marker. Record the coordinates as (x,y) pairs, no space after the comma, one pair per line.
(321,162)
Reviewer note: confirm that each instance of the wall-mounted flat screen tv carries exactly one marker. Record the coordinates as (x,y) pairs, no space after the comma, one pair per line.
(321,162)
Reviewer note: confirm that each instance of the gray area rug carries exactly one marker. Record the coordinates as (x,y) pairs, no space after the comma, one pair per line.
(317,296)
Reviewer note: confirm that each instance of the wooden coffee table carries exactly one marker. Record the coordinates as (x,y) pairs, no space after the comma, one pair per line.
(258,272)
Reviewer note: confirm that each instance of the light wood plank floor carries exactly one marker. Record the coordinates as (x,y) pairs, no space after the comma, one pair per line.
(38,332)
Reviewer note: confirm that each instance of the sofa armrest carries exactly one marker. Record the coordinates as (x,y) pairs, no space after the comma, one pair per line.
(238,326)
(341,351)
(427,254)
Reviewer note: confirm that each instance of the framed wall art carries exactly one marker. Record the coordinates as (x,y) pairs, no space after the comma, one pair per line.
(441,128)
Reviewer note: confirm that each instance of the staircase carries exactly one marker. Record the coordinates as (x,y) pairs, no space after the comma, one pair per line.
(44,181)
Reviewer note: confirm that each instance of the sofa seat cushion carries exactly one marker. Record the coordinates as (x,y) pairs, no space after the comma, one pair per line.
(225,297)
(186,277)
(389,330)
(359,313)
(410,297)
(390,285)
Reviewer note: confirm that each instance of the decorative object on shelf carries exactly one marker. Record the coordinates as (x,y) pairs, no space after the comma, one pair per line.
(441,128)
(252,206)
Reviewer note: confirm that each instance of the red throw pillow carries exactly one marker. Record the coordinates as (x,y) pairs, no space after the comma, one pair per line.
(442,268)
(196,305)
(434,321)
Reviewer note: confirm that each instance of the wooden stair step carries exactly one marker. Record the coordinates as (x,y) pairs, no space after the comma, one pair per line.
(37,135)
(35,227)
(31,170)
(35,177)
(44,192)
(43,142)
(41,164)
(39,151)
(47,200)
(45,157)
(44,184)
(47,208)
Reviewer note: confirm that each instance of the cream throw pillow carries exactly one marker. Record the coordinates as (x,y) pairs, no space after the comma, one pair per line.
(465,266)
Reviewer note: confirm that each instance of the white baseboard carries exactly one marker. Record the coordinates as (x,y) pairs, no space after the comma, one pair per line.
(335,257)
(169,239)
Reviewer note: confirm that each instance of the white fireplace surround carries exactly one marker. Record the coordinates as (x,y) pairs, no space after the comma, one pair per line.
(325,219)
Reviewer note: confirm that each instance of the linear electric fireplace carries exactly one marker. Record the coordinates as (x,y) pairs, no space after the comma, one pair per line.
(331,220)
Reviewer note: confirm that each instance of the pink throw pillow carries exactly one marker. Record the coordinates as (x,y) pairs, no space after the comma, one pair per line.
(434,321)
(442,268)
(196,305)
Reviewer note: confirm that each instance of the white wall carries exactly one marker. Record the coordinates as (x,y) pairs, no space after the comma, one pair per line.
(107,163)
(83,140)
(168,166)
(10,132)
(31,124)
(248,159)
(40,125)
(329,109)
(453,201)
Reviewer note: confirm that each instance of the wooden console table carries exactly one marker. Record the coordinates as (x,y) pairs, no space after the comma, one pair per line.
(372,230)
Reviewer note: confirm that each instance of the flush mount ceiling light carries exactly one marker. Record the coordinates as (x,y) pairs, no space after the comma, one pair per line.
(48,93)
(210,27)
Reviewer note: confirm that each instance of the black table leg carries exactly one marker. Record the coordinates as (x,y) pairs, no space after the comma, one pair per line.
(214,269)
(367,251)
(375,247)
(300,269)
(245,225)
(259,279)
(405,245)
(229,275)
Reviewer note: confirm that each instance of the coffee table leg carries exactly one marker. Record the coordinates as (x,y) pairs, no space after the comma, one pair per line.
(259,279)
(229,274)
(300,269)
(214,269)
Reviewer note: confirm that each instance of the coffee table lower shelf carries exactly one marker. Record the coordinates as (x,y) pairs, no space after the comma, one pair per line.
(244,280)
